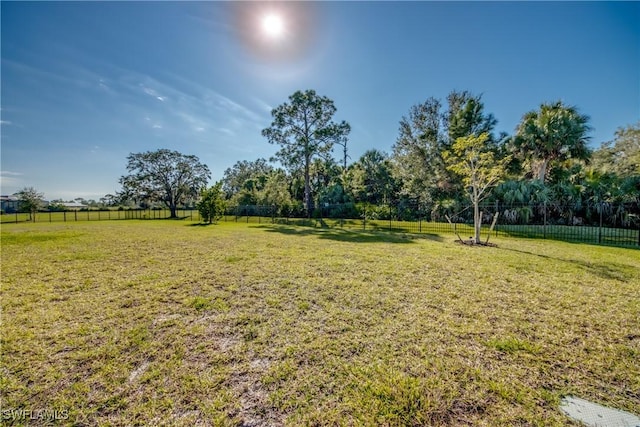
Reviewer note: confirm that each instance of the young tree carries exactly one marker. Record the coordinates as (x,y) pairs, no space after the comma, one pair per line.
(164,175)
(30,200)
(211,205)
(304,129)
(554,133)
(473,158)
(426,133)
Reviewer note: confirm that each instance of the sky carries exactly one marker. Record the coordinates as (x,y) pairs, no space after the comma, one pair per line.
(83,84)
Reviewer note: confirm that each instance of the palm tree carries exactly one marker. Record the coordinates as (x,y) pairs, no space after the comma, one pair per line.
(554,133)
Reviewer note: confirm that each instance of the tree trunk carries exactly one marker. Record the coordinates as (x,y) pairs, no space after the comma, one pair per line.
(477,220)
(172,209)
(542,171)
(307,187)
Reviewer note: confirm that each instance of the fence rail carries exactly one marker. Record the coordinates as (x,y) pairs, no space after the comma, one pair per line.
(97,215)
(609,225)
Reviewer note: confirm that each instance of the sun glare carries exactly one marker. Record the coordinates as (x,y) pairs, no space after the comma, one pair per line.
(273,25)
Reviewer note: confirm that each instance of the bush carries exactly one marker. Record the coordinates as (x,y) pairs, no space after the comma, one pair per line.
(212,205)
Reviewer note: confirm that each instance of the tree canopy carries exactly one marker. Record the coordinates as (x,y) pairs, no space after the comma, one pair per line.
(164,176)
(556,132)
(426,133)
(622,155)
(30,200)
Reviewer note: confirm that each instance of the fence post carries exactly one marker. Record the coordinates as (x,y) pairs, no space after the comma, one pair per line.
(75,214)
(544,224)
(49,216)
(64,215)
(600,228)
(364,218)
(390,217)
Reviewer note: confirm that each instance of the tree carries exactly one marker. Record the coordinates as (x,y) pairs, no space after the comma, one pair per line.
(234,178)
(371,178)
(30,200)
(473,158)
(555,133)
(416,153)
(304,130)
(211,205)
(466,116)
(622,155)
(276,192)
(165,176)
(426,133)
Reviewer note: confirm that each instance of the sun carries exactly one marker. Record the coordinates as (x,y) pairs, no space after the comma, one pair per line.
(273,25)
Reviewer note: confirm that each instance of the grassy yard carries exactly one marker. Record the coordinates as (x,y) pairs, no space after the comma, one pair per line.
(172,323)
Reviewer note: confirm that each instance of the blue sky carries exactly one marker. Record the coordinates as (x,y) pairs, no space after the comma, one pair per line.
(86,83)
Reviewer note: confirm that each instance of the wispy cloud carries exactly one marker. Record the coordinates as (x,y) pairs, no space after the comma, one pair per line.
(153,93)
(5,122)
(193,108)
(10,179)
(186,108)
(263,105)
(153,124)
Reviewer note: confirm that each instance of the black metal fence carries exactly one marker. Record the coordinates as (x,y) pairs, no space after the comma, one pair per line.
(602,223)
(97,215)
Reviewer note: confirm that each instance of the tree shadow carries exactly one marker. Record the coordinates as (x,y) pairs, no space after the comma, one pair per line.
(352,236)
(608,271)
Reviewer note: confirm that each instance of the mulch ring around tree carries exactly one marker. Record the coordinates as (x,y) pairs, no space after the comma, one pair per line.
(472,242)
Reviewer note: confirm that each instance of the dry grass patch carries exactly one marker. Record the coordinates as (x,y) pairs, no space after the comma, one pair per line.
(158,322)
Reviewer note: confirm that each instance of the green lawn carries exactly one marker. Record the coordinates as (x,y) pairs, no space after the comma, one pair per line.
(173,323)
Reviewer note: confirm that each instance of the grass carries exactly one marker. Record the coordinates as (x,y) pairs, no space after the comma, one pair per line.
(605,235)
(162,323)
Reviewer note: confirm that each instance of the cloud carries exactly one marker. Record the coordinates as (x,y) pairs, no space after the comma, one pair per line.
(154,124)
(10,179)
(186,108)
(5,122)
(263,105)
(153,93)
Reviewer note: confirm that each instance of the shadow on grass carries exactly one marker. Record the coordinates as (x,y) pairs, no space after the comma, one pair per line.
(608,271)
(342,235)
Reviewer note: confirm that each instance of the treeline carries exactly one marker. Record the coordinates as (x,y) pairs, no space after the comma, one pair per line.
(547,160)
(446,157)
